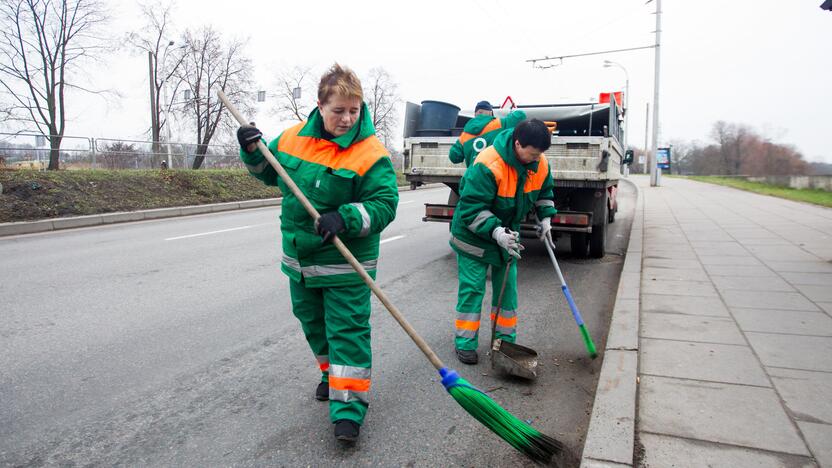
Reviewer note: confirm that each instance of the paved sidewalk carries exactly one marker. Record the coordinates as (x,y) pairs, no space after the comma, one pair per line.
(735,334)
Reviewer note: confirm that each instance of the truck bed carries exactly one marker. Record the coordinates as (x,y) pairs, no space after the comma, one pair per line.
(571,159)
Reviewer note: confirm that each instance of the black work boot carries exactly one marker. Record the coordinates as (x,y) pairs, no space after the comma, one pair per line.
(467,356)
(346,430)
(322,392)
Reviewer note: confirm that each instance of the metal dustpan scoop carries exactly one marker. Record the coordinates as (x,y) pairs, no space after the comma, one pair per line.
(511,358)
(514,359)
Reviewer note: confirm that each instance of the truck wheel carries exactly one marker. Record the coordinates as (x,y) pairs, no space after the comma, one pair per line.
(598,237)
(578,244)
(453,198)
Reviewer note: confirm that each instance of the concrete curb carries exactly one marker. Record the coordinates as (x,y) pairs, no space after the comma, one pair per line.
(55,224)
(611,433)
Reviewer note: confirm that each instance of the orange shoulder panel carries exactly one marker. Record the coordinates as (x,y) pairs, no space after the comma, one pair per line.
(359,157)
(504,174)
(536,179)
(495,124)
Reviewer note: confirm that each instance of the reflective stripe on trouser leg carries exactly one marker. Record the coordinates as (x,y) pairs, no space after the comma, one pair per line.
(472,275)
(323,364)
(347,312)
(507,325)
(308,307)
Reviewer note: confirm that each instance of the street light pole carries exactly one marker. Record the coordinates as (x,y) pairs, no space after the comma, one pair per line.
(646,168)
(167,121)
(654,178)
(154,115)
(608,64)
(164,89)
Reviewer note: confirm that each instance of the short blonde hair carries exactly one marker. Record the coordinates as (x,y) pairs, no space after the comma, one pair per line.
(341,81)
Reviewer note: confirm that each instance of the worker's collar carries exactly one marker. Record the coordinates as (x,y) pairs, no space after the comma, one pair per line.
(362,129)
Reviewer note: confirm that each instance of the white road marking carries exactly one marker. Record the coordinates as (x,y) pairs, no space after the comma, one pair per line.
(391,239)
(218,232)
(406,202)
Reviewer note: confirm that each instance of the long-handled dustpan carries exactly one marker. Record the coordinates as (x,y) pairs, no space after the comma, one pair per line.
(511,358)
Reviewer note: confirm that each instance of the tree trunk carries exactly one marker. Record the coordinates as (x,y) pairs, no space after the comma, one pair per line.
(199,156)
(54,152)
(157,154)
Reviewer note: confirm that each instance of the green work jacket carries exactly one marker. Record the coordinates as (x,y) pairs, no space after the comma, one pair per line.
(497,190)
(352,174)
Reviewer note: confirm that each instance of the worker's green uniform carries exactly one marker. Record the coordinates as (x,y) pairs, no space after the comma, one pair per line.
(479,133)
(353,174)
(496,191)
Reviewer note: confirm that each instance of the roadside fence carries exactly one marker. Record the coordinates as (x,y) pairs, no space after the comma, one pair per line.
(31,151)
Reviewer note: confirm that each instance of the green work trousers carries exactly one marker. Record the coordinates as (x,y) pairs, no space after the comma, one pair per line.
(336,322)
(472,276)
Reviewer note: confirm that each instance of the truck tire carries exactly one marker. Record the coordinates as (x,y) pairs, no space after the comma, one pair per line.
(453,198)
(578,244)
(598,237)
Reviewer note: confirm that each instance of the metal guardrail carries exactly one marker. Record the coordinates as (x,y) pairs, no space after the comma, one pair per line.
(31,151)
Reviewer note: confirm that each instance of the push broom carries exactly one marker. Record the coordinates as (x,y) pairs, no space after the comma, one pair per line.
(590,346)
(522,436)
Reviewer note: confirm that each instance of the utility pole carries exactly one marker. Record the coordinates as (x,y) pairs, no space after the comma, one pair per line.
(646,168)
(154,115)
(654,179)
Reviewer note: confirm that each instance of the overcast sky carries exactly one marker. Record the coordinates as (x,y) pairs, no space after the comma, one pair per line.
(764,63)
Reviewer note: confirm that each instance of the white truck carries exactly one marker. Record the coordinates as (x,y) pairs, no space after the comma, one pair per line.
(586,158)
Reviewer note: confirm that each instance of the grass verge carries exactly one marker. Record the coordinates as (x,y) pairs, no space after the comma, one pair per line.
(29,195)
(814,196)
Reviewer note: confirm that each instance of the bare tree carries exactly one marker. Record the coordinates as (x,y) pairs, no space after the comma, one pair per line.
(165,60)
(381,94)
(296,93)
(679,155)
(41,42)
(732,139)
(740,150)
(212,64)
(119,155)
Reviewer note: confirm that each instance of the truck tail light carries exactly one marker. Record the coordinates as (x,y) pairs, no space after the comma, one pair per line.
(439,211)
(572,219)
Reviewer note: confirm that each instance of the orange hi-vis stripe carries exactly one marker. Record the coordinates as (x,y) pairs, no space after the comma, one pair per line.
(349,383)
(506,176)
(359,157)
(505,322)
(468,325)
(493,125)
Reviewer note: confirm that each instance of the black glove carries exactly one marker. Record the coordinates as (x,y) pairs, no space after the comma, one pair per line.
(247,135)
(329,224)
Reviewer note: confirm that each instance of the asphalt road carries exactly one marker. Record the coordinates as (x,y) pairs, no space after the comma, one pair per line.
(172,342)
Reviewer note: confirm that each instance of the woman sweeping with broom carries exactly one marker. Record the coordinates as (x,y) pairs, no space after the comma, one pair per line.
(343,169)
(349,383)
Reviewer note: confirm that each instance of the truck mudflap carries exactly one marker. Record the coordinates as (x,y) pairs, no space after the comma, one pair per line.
(564,221)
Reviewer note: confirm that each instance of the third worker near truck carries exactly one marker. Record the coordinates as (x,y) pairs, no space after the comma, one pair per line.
(480,132)
(505,182)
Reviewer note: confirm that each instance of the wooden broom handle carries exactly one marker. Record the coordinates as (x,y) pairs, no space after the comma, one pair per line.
(339,244)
